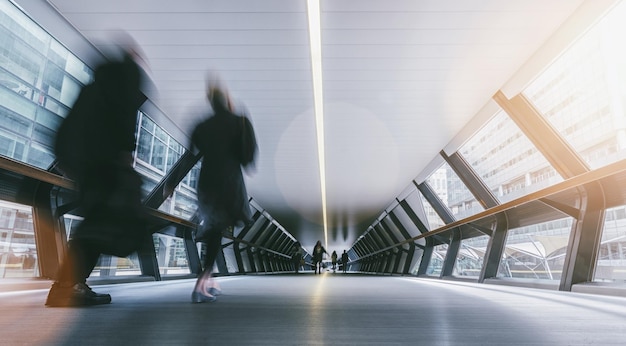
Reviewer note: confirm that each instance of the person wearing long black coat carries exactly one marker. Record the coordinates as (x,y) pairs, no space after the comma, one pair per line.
(226,142)
(94,146)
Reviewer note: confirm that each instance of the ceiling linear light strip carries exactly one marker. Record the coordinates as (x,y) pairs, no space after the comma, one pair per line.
(315,41)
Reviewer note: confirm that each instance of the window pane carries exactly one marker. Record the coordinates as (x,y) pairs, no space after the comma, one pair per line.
(436,261)
(144,145)
(611,265)
(582,92)
(536,252)
(434,221)
(171,255)
(35,86)
(454,194)
(507,161)
(469,261)
(18,253)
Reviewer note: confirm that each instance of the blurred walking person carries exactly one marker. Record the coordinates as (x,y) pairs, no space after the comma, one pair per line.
(333,260)
(94,146)
(344,260)
(318,254)
(227,143)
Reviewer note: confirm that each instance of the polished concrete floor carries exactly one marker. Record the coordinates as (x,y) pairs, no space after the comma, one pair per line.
(328,309)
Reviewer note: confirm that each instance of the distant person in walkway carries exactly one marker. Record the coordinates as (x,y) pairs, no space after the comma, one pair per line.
(344,260)
(94,146)
(333,260)
(227,143)
(318,255)
(296,257)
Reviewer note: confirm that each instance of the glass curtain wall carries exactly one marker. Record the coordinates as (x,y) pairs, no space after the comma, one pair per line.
(39,81)
(582,94)
(507,161)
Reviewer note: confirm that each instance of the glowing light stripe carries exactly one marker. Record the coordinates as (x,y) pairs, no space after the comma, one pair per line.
(315,41)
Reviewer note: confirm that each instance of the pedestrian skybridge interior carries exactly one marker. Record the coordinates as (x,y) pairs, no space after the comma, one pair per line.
(481,142)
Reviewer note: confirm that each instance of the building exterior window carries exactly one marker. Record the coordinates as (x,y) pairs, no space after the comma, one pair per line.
(18,253)
(582,93)
(171,255)
(506,160)
(453,193)
(156,153)
(39,81)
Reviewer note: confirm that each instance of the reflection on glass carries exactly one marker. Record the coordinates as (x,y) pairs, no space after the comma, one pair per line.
(536,252)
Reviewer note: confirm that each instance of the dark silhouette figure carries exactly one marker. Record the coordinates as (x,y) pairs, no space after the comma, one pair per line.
(344,260)
(296,257)
(333,260)
(318,254)
(227,142)
(94,147)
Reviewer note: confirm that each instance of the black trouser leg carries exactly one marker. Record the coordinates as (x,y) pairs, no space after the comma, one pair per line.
(81,258)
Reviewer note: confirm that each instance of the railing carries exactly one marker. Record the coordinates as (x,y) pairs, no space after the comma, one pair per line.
(608,171)
(44,176)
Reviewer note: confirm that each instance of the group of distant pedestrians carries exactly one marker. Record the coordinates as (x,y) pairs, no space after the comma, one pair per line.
(317,257)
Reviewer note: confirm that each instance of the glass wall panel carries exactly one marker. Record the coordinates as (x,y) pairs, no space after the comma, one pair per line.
(156,153)
(406,221)
(434,221)
(231,261)
(537,251)
(39,81)
(583,92)
(453,193)
(611,265)
(436,261)
(417,260)
(469,261)
(507,161)
(18,254)
(171,255)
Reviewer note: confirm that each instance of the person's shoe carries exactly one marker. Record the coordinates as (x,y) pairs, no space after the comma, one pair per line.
(77,295)
(214,291)
(197,297)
